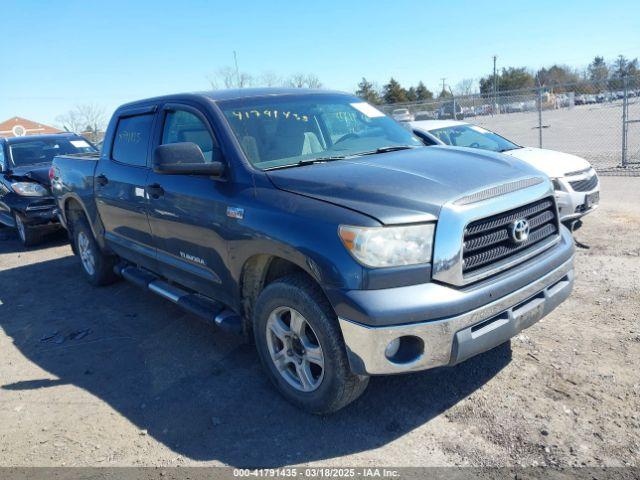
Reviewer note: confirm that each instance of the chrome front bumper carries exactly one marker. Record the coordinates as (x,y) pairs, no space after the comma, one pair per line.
(452,340)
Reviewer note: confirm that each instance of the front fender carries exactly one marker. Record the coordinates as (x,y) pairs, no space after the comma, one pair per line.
(299,229)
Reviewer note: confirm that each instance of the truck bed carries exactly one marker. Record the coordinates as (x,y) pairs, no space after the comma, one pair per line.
(74,178)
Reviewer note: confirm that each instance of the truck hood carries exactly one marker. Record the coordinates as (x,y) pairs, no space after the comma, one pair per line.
(555,164)
(402,187)
(38,173)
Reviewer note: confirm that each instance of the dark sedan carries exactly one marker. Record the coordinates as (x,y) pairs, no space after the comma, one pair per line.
(26,202)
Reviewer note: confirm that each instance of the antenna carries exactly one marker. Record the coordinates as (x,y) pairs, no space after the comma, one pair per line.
(235,61)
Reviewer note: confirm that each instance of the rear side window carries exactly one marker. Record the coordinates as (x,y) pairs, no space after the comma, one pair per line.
(131,140)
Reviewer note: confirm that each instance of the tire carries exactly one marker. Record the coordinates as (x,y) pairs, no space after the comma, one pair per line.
(28,236)
(318,389)
(96,265)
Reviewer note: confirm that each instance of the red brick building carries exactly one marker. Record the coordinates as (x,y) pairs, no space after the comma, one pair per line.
(19,127)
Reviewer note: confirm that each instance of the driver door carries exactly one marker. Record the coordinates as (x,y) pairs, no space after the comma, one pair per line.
(187,213)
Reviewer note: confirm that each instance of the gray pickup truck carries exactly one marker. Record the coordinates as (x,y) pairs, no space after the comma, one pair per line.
(322,228)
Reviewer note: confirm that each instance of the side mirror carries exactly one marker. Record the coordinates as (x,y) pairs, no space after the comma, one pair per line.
(185,158)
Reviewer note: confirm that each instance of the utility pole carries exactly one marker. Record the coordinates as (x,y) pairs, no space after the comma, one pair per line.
(495,83)
(235,60)
(443,90)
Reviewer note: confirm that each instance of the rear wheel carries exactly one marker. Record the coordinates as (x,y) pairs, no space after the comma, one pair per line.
(96,265)
(28,236)
(301,347)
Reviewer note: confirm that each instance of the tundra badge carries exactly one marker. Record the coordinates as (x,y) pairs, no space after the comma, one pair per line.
(235,212)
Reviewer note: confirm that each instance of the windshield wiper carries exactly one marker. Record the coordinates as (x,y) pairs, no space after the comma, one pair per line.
(509,149)
(332,158)
(310,161)
(390,148)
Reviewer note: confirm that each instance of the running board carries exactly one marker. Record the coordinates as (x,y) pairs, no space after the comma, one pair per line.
(211,311)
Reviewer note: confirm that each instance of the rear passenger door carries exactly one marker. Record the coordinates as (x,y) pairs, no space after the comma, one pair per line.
(187,213)
(119,183)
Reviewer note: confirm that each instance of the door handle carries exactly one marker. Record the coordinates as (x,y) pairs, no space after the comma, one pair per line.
(155,190)
(102,180)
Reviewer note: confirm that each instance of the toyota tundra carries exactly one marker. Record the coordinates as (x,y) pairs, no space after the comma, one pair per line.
(318,226)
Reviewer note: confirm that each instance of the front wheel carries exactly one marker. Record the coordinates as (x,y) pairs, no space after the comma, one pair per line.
(301,346)
(96,265)
(28,236)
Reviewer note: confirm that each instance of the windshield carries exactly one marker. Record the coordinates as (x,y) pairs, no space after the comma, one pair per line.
(280,131)
(43,150)
(473,136)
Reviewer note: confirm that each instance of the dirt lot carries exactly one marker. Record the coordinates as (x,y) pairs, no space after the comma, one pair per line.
(117,376)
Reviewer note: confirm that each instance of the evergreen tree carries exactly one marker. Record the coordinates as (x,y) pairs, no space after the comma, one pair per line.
(367,92)
(598,71)
(622,68)
(394,93)
(556,75)
(423,93)
(511,78)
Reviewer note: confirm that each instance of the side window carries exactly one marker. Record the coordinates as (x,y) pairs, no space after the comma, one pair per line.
(183,126)
(3,165)
(442,135)
(131,140)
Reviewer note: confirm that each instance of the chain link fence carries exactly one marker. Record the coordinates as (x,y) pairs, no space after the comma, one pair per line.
(597,121)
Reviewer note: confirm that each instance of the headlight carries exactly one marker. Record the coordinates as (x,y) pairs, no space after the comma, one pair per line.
(28,189)
(389,246)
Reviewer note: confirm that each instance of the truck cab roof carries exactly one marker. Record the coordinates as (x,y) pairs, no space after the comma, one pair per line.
(234,94)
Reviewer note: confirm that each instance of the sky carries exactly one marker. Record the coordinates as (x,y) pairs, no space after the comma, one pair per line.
(58,54)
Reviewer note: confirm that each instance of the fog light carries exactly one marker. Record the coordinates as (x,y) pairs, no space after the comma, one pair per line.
(404,349)
(392,348)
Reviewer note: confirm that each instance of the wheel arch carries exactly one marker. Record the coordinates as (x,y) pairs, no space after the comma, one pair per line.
(72,209)
(260,270)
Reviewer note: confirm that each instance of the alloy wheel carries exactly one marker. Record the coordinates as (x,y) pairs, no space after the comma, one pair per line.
(21,229)
(295,349)
(86,253)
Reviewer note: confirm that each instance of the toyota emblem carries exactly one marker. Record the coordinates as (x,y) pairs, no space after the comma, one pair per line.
(520,231)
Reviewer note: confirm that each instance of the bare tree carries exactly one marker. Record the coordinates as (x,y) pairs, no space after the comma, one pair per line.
(304,80)
(297,80)
(313,81)
(464,87)
(271,79)
(71,121)
(230,78)
(89,119)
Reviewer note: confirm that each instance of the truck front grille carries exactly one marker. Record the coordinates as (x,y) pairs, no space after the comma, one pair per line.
(491,239)
(585,185)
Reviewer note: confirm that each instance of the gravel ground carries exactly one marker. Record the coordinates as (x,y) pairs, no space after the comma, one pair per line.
(117,376)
